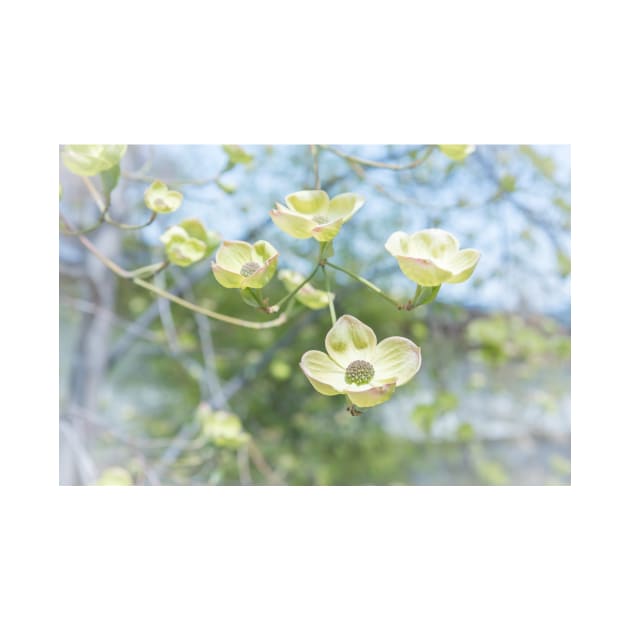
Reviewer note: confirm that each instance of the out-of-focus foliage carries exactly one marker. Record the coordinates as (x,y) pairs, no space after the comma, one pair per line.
(152,393)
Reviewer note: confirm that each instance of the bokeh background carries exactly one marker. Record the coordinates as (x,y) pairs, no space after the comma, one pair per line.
(140,377)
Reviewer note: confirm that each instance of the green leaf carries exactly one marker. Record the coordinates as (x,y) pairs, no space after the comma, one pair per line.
(465,432)
(236,154)
(564,264)
(280,370)
(562,204)
(492,473)
(446,401)
(457,152)
(544,164)
(230,189)
(508,183)
(424,416)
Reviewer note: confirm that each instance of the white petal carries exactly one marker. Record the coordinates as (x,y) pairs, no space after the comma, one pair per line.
(423,271)
(327,231)
(375,395)
(463,264)
(396,359)
(433,243)
(345,205)
(294,224)
(349,340)
(323,373)
(398,244)
(308,201)
(232,255)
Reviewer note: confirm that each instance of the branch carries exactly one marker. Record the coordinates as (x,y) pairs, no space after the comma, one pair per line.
(375,164)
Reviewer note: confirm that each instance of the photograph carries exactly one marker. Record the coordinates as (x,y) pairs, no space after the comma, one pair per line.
(315,315)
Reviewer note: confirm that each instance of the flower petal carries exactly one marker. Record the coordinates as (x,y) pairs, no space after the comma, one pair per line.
(463,264)
(350,339)
(173,200)
(345,205)
(158,198)
(293,224)
(195,228)
(327,231)
(263,275)
(227,278)
(263,251)
(185,253)
(323,373)
(375,395)
(433,243)
(396,359)
(91,159)
(181,248)
(308,201)
(423,271)
(232,255)
(398,244)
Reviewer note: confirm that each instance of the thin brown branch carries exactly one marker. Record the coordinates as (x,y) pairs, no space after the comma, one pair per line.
(376,164)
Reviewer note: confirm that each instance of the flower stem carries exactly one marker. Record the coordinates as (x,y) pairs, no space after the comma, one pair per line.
(331,301)
(374,164)
(287,297)
(281,319)
(127,226)
(367,283)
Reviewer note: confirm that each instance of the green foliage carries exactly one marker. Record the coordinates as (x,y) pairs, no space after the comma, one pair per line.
(457,152)
(237,155)
(115,476)
(544,164)
(500,338)
(564,263)
(491,473)
(560,465)
(426,415)
(465,432)
(224,429)
(507,183)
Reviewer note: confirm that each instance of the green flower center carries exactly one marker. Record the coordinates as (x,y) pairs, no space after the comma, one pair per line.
(359,372)
(320,218)
(249,268)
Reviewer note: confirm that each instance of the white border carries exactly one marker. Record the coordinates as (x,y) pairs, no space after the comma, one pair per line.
(315,557)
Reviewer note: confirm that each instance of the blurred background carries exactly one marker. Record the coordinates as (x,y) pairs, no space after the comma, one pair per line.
(142,379)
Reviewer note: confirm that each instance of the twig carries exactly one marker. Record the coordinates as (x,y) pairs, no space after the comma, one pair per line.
(375,164)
